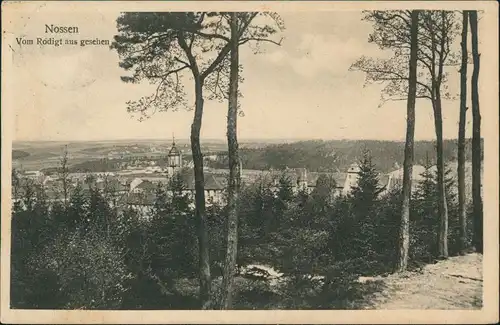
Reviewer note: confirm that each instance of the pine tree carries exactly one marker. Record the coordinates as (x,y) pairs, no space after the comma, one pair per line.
(78,204)
(172,233)
(284,197)
(324,190)
(305,208)
(425,206)
(320,203)
(366,191)
(424,217)
(424,197)
(180,202)
(99,213)
(161,205)
(364,197)
(285,190)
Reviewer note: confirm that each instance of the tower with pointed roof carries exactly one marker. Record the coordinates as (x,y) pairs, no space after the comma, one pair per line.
(174,158)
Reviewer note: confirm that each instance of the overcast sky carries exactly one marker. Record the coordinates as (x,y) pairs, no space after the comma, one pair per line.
(301,90)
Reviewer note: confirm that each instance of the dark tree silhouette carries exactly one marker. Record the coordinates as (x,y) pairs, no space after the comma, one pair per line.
(437,30)
(160,47)
(462,211)
(404,231)
(234,170)
(260,33)
(476,139)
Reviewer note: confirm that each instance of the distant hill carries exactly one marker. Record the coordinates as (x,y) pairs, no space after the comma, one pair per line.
(337,155)
(315,155)
(19,154)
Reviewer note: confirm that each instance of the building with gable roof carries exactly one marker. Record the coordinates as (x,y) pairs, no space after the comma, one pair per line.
(352,177)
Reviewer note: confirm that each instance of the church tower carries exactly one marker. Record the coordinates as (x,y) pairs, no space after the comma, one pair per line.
(174,159)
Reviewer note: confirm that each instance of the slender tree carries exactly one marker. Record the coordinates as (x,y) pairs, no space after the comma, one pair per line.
(160,48)
(476,139)
(462,211)
(404,231)
(436,33)
(242,29)
(234,170)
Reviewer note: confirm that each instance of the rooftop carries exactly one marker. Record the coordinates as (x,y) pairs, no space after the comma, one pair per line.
(174,151)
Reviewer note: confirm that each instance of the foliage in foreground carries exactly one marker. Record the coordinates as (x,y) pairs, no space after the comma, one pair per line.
(88,255)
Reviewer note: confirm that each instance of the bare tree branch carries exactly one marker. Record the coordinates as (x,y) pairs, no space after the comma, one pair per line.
(245,40)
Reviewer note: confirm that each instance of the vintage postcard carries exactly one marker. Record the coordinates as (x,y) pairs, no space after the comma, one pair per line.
(249,162)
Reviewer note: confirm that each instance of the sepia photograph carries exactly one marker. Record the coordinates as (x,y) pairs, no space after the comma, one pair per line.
(274,162)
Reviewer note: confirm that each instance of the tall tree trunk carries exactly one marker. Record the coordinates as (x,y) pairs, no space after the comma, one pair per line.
(404,230)
(476,139)
(442,205)
(462,212)
(203,243)
(234,170)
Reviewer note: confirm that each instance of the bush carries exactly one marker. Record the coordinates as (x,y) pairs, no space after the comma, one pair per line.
(86,269)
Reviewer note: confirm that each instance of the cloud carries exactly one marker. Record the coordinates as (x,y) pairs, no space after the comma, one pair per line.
(276,56)
(316,54)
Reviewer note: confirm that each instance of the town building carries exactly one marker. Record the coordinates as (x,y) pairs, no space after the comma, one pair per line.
(396,177)
(142,191)
(351,179)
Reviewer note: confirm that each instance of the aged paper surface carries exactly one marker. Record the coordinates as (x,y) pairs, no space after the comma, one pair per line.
(64,104)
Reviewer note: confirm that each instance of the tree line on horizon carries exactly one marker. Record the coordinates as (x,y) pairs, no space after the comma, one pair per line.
(337,155)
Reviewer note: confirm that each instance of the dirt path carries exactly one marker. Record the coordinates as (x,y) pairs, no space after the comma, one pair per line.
(455,283)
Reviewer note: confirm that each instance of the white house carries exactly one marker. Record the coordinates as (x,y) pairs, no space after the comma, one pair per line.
(351,178)
(396,177)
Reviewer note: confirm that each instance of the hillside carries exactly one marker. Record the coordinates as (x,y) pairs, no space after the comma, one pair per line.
(337,155)
(19,154)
